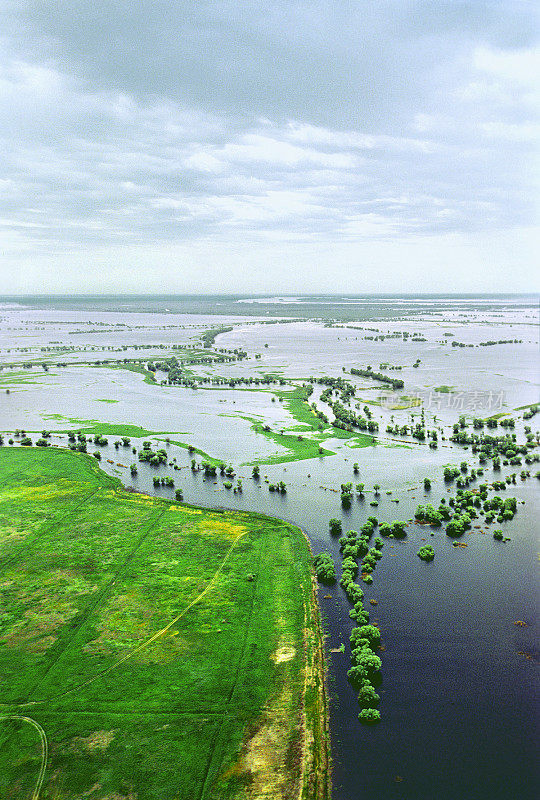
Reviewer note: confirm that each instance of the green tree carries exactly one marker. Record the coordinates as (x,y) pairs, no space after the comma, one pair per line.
(369,632)
(324,568)
(426,553)
(367,696)
(369,716)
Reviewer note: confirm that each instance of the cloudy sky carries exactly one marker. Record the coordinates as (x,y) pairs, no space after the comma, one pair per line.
(288,145)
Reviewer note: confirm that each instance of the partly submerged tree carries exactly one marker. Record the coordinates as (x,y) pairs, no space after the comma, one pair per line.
(369,716)
(367,696)
(324,568)
(426,553)
(335,526)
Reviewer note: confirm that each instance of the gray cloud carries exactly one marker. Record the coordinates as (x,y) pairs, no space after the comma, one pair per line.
(324,60)
(162,124)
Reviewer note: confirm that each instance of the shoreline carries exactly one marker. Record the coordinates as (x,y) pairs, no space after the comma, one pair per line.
(316,776)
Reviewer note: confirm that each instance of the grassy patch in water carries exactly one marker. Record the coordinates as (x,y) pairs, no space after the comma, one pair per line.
(355,439)
(297,449)
(93,426)
(403,403)
(148,376)
(197,450)
(297,405)
(300,447)
(151,639)
(25,376)
(444,389)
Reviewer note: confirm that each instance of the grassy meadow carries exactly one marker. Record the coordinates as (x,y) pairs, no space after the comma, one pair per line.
(151,650)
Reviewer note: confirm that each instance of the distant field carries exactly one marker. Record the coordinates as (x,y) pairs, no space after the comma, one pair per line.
(162,652)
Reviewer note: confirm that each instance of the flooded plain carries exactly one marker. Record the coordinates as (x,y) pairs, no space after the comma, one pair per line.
(459,677)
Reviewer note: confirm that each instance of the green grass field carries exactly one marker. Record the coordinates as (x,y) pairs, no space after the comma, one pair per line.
(155,651)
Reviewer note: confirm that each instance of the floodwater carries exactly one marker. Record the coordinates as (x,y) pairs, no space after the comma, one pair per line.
(459,678)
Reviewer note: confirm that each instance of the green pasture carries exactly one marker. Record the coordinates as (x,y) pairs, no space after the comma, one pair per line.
(139,635)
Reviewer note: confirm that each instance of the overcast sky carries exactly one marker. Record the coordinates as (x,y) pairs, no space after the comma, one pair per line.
(289,145)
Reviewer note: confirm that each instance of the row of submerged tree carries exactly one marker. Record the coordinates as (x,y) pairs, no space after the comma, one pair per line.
(364,672)
(365,638)
(394,383)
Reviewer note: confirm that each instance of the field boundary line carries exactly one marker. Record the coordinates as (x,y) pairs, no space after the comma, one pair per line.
(44,750)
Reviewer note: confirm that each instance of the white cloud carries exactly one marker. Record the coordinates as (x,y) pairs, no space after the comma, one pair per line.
(354,140)
(259,149)
(204,162)
(512,131)
(519,66)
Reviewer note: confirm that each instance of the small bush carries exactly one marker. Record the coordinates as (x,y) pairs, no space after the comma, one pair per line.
(367,696)
(426,553)
(369,716)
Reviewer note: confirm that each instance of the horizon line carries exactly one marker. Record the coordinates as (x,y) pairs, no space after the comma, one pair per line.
(352,295)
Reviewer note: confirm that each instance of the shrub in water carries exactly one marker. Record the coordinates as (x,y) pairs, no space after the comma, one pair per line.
(426,553)
(369,716)
(367,696)
(324,568)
